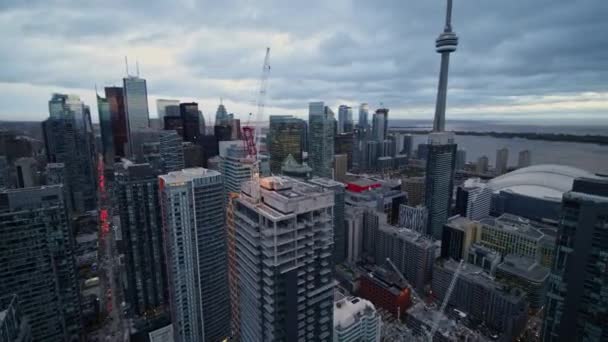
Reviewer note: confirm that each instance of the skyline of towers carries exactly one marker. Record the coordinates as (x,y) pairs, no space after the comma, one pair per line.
(192,202)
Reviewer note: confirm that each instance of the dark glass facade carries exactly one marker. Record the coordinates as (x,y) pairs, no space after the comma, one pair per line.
(190,121)
(120,134)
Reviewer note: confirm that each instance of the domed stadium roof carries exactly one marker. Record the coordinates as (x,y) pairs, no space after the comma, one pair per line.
(546,181)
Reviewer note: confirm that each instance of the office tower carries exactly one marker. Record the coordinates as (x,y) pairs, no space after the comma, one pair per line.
(482,165)
(38,261)
(345,119)
(321,141)
(190,124)
(483,257)
(141,231)
(234,166)
(171,151)
(221,115)
(526,274)
(422,152)
(502,161)
(461,159)
(284,260)
(413,218)
(284,138)
(105,126)
(55,173)
(339,229)
(445,44)
(203,125)
(118,117)
(474,199)
(173,119)
(576,303)
(345,144)
(524,159)
(235,127)
(408,145)
(439,181)
(136,103)
(161,107)
(356,319)
(370,155)
(459,233)
(14,326)
(68,136)
(412,252)
(25,170)
(363,115)
(210,146)
(482,298)
(414,187)
(192,202)
(380,124)
(340,167)
(194,156)
(222,132)
(360,223)
(510,234)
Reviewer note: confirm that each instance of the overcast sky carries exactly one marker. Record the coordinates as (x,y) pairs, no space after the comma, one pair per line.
(520,59)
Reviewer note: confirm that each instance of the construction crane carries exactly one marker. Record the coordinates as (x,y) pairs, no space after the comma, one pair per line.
(446,299)
(390,262)
(251,135)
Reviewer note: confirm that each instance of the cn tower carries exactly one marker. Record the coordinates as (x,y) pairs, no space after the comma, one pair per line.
(445,44)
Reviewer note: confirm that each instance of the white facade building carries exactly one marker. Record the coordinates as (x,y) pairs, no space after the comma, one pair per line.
(356,320)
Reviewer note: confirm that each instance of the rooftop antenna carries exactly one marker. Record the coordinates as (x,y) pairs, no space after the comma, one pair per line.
(127,65)
(96,90)
(137,67)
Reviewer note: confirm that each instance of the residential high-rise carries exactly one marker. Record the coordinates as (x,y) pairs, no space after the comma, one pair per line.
(105,126)
(446,43)
(340,167)
(161,107)
(412,252)
(502,161)
(192,203)
(68,137)
(141,231)
(413,218)
(284,260)
(55,173)
(190,124)
(439,181)
(363,115)
(339,229)
(136,103)
(474,199)
(524,159)
(234,165)
(14,326)
(345,119)
(356,319)
(118,117)
(576,303)
(482,165)
(380,125)
(171,151)
(284,138)
(321,141)
(37,253)
(408,145)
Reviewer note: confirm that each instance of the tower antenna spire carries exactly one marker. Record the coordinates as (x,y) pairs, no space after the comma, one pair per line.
(127,65)
(137,67)
(448,17)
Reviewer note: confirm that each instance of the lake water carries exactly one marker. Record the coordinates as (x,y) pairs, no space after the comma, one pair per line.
(590,157)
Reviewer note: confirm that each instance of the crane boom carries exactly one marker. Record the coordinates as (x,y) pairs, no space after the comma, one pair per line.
(261,100)
(446,299)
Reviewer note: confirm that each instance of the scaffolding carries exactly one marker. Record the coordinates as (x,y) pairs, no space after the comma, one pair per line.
(232,267)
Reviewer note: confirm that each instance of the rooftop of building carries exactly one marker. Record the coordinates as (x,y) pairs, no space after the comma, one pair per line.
(524,267)
(520,225)
(326,182)
(348,310)
(446,327)
(545,181)
(408,235)
(461,223)
(478,276)
(187,175)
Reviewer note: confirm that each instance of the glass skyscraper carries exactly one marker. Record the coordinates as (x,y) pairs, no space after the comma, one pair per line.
(136,105)
(284,138)
(105,126)
(120,130)
(190,121)
(321,139)
(577,301)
